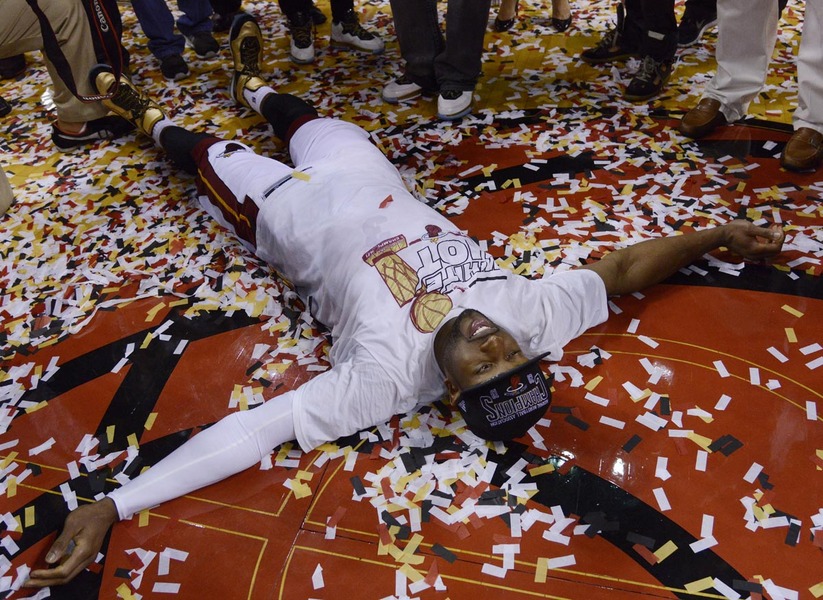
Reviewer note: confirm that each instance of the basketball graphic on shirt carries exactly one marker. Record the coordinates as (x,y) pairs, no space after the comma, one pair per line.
(429,309)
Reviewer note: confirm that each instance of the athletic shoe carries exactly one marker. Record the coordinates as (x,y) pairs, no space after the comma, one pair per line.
(611,47)
(174,67)
(649,79)
(693,26)
(804,151)
(127,101)
(13,66)
(104,128)
(454,104)
(301,29)
(221,22)
(204,44)
(701,120)
(350,33)
(246,45)
(401,89)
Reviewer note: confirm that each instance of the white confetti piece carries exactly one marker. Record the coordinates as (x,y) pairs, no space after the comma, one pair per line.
(165,588)
(707,526)
(42,447)
(661,470)
(633,326)
(561,562)
(617,424)
(703,544)
(777,354)
(724,589)
(813,364)
(317,578)
(806,350)
(596,399)
(754,375)
(648,341)
(723,402)
(700,461)
(753,472)
(811,410)
(662,500)
(721,368)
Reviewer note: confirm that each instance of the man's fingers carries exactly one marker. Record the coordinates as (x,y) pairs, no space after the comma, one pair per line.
(61,545)
(68,570)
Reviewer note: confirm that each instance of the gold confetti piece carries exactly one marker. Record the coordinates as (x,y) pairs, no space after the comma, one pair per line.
(547,468)
(28,517)
(11,487)
(790,335)
(304,475)
(542,570)
(411,573)
(700,440)
(301,490)
(38,406)
(700,585)
(487,171)
(8,460)
(301,175)
(132,440)
(143,518)
(817,590)
(124,592)
(146,341)
(792,311)
(593,383)
(110,433)
(150,421)
(152,313)
(665,551)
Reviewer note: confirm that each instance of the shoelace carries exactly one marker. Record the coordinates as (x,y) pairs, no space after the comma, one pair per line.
(648,69)
(609,40)
(249,51)
(128,99)
(354,28)
(302,34)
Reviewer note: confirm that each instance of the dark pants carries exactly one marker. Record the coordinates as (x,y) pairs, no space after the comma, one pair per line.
(652,27)
(284,112)
(435,62)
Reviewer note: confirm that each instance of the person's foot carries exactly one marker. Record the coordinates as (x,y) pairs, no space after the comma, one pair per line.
(221,22)
(506,16)
(804,151)
(174,67)
(126,100)
(13,66)
(454,104)
(246,44)
(701,120)
(301,29)
(104,128)
(401,89)
(649,79)
(561,15)
(350,33)
(613,46)
(693,25)
(204,44)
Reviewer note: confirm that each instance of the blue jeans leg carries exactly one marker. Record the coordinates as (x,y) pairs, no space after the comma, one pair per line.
(196,16)
(158,25)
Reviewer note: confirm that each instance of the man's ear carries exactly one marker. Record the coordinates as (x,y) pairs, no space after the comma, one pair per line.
(452,390)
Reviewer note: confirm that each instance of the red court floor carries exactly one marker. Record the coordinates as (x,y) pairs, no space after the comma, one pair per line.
(682,456)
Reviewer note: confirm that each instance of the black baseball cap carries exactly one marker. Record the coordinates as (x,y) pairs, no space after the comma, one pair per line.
(508,405)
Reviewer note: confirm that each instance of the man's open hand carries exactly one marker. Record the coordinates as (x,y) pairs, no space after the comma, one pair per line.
(78,544)
(753,242)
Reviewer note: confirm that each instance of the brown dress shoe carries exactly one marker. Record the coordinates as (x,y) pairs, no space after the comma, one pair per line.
(804,151)
(702,119)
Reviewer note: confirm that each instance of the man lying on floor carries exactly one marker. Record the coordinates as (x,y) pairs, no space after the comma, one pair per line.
(410,300)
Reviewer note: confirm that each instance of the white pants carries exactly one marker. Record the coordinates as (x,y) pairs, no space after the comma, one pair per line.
(747,33)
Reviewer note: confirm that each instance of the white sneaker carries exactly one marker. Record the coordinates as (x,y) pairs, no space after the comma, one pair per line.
(454,104)
(349,32)
(401,89)
(301,29)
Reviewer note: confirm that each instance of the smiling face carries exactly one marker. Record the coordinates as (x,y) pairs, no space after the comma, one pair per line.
(471,349)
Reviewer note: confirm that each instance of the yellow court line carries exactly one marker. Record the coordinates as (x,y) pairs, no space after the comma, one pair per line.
(720,352)
(492,585)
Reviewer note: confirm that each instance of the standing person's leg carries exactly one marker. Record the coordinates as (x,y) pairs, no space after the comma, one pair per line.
(622,41)
(657,47)
(78,122)
(346,30)
(805,150)
(195,24)
(698,16)
(420,40)
(167,46)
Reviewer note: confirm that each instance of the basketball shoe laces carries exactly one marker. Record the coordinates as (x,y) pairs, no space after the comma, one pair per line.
(129,99)
(352,26)
(249,51)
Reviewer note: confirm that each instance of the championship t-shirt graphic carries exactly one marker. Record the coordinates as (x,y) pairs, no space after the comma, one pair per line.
(436,264)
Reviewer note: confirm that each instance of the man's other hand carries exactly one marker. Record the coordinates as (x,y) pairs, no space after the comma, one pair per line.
(753,242)
(78,544)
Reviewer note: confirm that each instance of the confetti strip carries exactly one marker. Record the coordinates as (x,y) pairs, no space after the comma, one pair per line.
(753,472)
(777,354)
(662,500)
(721,368)
(811,410)
(792,311)
(317,578)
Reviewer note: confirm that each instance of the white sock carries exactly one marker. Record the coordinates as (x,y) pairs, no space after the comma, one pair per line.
(255,98)
(159,127)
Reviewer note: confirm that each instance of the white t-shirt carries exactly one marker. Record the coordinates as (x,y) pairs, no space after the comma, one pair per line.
(382,271)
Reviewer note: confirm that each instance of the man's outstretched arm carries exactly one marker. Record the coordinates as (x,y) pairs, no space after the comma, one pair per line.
(649,262)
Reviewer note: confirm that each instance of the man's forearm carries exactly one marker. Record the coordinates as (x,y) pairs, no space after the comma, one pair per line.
(649,262)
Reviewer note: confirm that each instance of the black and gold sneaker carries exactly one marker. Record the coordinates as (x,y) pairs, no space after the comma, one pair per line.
(246,44)
(126,100)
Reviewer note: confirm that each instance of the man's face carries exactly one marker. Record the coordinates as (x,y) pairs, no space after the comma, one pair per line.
(471,349)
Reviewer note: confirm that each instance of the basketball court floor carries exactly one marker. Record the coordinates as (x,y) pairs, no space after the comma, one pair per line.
(682,456)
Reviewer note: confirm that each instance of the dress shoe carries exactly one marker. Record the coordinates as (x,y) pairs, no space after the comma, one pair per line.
(702,119)
(804,151)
